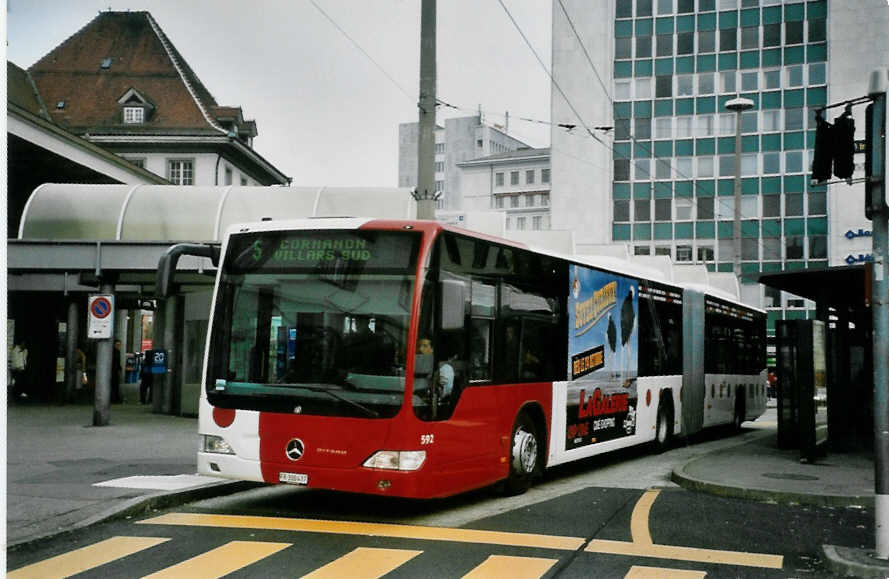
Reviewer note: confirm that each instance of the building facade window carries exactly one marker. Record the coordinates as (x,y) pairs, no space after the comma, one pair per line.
(180,171)
(514,178)
(544,175)
(498,179)
(529,177)
(621,210)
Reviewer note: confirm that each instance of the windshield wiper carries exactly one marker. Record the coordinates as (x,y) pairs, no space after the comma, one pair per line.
(368,411)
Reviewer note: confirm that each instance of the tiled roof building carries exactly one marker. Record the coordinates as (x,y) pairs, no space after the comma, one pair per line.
(119,82)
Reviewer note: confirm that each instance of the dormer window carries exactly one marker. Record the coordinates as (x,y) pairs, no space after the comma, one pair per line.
(135,109)
(133,115)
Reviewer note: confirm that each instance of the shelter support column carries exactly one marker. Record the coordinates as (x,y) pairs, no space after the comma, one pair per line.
(167,330)
(104,351)
(72,376)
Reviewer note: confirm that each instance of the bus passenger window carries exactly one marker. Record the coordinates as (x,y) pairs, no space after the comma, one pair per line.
(484,300)
(480,350)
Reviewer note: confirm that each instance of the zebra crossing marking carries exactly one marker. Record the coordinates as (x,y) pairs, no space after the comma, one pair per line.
(222,560)
(364,563)
(85,558)
(497,566)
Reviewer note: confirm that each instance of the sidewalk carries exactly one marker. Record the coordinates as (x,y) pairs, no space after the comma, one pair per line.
(56,458)
(758,470)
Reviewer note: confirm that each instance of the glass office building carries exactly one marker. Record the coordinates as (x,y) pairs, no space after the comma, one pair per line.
(674,64)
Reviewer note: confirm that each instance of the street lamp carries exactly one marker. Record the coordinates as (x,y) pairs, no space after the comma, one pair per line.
(738,105)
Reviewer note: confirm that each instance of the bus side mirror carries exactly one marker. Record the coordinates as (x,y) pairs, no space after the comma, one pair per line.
(453,304)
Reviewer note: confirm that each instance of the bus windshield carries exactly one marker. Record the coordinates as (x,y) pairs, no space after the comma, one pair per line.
(313,322)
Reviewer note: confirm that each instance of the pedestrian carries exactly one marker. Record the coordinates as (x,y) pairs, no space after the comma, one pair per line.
(115,373)
(147,381)
(81,379)
(18,366)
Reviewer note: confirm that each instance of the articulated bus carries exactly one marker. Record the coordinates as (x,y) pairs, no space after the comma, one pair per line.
(415,359)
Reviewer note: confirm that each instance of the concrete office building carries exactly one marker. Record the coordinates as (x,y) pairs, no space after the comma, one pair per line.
(460,139)
(663,180)
(516,183)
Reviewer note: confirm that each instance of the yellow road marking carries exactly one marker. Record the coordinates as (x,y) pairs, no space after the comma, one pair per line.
(497,566)
(370,529)
(686,554)
(364,563)
(86,558)
(638,572)
(639,518)
(222,560)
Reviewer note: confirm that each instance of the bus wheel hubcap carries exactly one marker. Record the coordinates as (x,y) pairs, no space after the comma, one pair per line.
(524,451)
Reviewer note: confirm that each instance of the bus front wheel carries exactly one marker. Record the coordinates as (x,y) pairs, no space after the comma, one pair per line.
(524,460)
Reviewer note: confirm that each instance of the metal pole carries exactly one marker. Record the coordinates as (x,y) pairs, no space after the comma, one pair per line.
(880,312)
(102,401)
(736,227)
(72,377)
(425,193)
(738,105)
(880,307)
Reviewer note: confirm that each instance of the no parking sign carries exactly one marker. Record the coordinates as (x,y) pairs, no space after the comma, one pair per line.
(101,317)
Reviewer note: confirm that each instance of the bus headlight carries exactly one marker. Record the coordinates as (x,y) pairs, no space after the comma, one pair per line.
(396,459)
(215,444)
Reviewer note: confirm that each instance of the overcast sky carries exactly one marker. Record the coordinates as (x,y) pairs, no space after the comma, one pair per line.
(326,114)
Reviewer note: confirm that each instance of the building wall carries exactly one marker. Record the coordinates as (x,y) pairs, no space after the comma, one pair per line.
(209,169)
(460,138)
(524,200)
(581,166)
(859,43)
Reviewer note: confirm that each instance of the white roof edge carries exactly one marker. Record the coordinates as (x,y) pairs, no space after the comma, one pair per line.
(301,223)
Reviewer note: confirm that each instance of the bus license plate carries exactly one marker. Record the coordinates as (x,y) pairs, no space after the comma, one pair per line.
(293,478)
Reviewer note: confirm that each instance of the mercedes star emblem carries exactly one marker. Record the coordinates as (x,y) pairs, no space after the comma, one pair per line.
(295,449)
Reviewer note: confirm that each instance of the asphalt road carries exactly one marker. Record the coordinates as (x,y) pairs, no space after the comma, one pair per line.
(608,517)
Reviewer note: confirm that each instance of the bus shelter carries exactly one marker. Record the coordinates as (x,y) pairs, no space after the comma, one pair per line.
(76,240)
(840,294)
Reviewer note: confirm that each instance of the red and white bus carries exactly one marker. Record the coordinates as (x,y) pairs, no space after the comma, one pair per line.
(415,359)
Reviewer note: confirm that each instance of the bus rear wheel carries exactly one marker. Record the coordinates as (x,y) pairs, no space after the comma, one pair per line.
(663,432)
(740,412)
(524,459)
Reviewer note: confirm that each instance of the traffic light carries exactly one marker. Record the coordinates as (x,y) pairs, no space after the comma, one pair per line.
(822,162)
(875,144)
(844,145)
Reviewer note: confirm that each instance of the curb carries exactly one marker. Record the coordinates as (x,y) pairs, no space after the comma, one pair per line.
(681,477)
(849,562)
(142,505)
(685,480)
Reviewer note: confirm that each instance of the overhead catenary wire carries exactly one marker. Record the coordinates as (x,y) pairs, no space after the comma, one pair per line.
(413,99)
(585,52)
(549,74)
